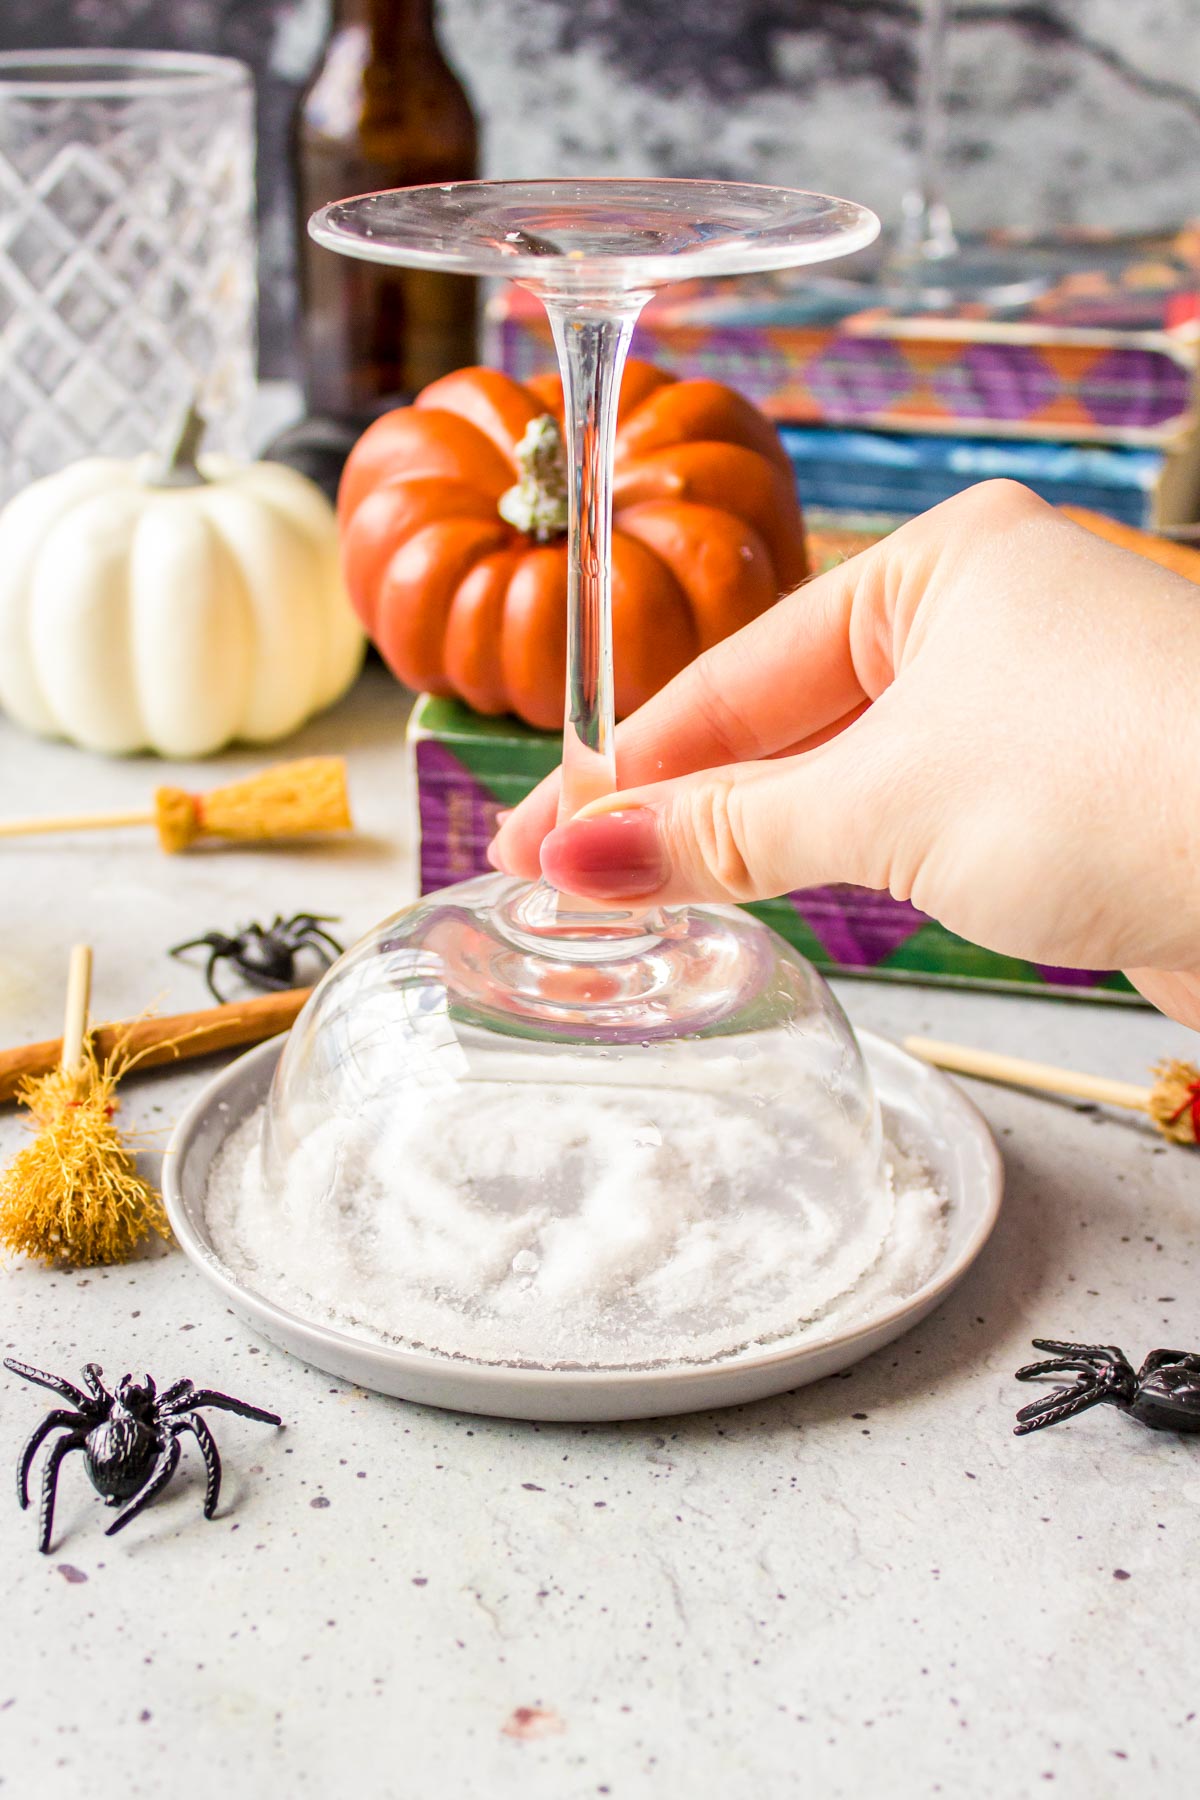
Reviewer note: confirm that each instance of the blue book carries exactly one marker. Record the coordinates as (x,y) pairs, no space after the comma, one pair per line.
(900,474)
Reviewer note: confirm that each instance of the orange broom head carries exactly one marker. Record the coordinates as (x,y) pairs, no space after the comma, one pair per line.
(286,800)
(74,1194)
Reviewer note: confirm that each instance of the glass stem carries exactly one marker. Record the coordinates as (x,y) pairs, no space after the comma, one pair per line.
(592,339)
(927,231)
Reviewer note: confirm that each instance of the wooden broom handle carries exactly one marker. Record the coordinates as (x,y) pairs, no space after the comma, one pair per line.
(79,994)
(74,822)
(199,1033)
(988,1065)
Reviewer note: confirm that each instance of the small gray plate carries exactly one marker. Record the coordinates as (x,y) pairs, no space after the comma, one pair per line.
(935,1117)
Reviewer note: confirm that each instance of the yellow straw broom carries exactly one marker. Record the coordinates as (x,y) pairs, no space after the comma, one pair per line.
(286,800)
(74,1194)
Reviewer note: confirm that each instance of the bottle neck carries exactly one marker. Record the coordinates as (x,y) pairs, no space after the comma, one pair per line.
(393,25)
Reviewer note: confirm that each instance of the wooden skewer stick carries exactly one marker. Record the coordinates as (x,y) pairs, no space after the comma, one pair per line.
(103,821)
(156,1040)
(79,993)
(989,1065)
(1173,1102)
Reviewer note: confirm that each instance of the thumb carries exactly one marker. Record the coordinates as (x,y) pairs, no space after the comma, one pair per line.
(745,832)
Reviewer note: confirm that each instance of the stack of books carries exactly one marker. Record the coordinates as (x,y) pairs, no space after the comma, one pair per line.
(1087,393)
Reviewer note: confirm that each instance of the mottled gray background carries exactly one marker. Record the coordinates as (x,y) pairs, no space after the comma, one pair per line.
(1063,111)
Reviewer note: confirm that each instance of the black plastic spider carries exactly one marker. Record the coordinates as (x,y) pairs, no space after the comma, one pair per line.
(1164,1393)
(266,957)
(123,1436)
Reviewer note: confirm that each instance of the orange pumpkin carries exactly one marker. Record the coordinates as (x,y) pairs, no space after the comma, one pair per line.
(707,533)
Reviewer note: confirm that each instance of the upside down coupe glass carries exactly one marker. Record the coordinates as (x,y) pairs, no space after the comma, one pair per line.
(586,1137)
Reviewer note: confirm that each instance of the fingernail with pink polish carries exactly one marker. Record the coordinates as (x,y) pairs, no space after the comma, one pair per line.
(505,812)
(609,857)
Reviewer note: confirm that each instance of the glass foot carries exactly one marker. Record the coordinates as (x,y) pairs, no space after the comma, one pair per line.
(962,280)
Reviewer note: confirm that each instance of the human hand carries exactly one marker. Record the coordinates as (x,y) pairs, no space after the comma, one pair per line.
(991,713)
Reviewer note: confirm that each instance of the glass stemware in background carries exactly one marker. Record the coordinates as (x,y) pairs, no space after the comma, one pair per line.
(927,231)
(928,265)
(127,256)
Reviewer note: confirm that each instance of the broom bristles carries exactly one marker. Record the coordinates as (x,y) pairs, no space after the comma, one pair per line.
(1171,1100)
(175,818)
(286,800)
(74,1195)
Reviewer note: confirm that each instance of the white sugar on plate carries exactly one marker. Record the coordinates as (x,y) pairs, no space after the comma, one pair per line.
(681,1242)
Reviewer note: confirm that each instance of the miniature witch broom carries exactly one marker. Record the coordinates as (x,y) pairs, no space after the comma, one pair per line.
(286,800)
(74,1195)
(1173,1103)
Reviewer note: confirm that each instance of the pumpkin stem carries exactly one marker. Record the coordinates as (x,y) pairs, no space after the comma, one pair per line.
(538,504)
(178,468)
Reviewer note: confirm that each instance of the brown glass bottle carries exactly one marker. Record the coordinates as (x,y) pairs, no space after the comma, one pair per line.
(383,110)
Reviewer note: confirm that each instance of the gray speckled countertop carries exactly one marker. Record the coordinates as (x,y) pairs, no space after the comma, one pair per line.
(864,1588)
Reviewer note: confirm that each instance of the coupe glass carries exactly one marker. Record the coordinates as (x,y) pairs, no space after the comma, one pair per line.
(570,1134)
(928,264)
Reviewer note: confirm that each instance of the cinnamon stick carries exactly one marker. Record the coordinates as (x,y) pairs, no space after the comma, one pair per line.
(176,1038)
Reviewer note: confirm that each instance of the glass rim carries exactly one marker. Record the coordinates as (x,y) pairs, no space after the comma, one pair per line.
(93,74)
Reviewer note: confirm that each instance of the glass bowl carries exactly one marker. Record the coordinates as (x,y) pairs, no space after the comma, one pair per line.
(656,1144)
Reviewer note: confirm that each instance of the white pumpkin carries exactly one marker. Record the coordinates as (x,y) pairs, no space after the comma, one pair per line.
(172,609)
